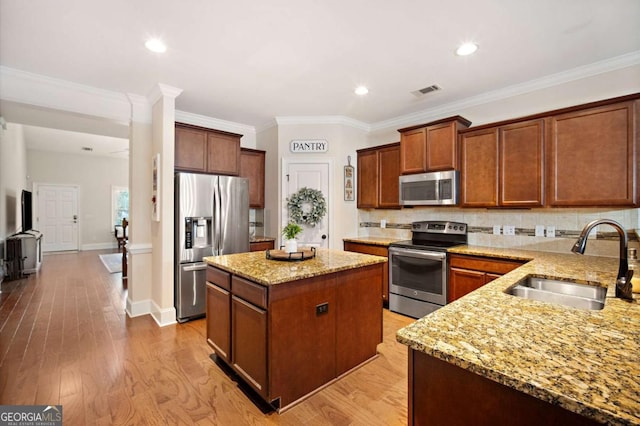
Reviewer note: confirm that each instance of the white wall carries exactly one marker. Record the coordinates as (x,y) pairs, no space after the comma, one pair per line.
(13,179)
(267,140)
(95,176)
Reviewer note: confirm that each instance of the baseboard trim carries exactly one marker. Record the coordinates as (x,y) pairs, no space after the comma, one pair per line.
(99,246)
(163,317)
(137,309)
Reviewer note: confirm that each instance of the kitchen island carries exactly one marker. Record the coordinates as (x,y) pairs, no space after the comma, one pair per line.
(493,358)
(290,328)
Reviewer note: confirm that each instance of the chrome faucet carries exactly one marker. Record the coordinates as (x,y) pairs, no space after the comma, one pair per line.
(623,282)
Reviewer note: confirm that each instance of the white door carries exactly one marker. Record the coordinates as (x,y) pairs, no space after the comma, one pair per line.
(58,217)
(314,175)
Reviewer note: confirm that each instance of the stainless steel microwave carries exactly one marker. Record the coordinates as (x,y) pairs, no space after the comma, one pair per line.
(430,189)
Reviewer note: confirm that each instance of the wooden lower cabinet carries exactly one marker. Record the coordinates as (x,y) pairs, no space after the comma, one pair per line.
(219,306)
(283,343)
(377,251)
(445,394)
(469,273)
(261,245)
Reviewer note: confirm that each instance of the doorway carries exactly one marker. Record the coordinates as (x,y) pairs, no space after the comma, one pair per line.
(57,216)
(312,174)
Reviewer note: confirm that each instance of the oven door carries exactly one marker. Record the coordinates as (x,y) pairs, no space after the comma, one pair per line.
(418,274)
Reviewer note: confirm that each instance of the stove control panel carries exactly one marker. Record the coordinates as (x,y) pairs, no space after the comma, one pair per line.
(439,227)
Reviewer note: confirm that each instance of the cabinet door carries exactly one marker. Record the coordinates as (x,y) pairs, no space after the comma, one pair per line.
(441,147)
(249,337)
(367,179)
(463,281)
(190,149)
(218,317)
(261,246)
(223,154)
(592,159)
(521,160)
(388,175)
(252,168)
(413,151)
(376,251)
(479,168)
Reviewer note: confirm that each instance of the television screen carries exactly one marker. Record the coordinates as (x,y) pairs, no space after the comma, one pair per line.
(27,214)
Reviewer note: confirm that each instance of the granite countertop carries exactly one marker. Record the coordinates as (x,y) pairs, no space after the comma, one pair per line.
(375,241)
(256,267)
(587,362)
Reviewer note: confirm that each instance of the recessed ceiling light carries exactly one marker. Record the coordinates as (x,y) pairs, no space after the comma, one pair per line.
(155,45)
(466,49)
(361,90)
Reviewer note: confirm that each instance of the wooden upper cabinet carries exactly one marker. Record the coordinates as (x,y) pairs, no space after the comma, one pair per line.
(367,179)
(431,147)
(521,164)
(252,164)
(503,166)
(223,154)
(202,150)
(592,156)
(479,168)
(190,149)
(413,151)
(388,175)
(378,173)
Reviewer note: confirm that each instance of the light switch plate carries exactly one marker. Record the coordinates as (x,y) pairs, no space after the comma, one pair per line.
(539,230)
(496,229)
(509,230)
(551,231)
(383,223)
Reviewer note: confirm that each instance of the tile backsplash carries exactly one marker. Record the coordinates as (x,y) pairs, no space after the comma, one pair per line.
(566,224)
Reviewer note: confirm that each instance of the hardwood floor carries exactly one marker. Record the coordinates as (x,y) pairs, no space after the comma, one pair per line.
(65,339)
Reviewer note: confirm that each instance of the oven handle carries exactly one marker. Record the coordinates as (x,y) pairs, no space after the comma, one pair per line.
(421,254)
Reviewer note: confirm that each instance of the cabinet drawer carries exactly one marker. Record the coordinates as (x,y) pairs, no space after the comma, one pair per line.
(219,277)
(261,246)
(251,292)
(366,249)
(484,264)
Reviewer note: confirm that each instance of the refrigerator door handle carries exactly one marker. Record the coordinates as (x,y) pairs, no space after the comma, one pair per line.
(215,245)
(194,291)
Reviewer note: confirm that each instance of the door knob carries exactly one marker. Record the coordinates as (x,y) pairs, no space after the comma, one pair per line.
(324,237)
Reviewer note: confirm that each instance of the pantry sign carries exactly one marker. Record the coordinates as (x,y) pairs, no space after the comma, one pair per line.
(300,146)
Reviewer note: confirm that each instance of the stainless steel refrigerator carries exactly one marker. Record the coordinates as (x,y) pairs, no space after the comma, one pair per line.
(211,218)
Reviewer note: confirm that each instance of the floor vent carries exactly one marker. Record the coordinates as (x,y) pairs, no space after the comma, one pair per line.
(424,91)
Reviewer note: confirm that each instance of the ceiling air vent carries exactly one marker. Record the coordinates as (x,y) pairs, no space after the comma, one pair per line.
(87,148)
(424,91)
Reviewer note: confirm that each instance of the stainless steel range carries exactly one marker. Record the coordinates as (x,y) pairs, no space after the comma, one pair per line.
(418,267)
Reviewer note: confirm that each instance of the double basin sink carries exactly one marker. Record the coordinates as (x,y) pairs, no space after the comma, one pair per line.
(567,293)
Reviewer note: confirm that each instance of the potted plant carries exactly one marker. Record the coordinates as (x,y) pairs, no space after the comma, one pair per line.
(290,232)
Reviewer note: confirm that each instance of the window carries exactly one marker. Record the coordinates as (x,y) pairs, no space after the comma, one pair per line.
(119,204)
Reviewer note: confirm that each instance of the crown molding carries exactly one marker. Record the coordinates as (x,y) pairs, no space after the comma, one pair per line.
(323,119)
(214,123)
(47,92)
(141,108)
(266,125)
(163,90)
(574,74)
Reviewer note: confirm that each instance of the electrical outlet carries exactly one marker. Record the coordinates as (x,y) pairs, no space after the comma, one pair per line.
(509,230)
(496,229)
(322,308)
(551,231)
(383,223)
(539,230)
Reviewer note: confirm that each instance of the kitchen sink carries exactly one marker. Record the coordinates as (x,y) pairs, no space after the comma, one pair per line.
(566,293)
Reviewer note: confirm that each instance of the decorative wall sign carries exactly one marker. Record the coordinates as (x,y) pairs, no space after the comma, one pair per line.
(306,146)
(155,188)
(349,181)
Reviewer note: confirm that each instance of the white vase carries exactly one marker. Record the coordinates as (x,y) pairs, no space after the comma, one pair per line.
(291,246)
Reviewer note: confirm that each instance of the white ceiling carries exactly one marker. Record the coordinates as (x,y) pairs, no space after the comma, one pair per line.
(250,61)
(49,139)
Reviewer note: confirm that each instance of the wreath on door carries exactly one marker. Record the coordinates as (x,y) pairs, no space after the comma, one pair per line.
(307,206)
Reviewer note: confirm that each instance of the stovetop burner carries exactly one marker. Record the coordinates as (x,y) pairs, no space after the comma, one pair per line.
(435,235)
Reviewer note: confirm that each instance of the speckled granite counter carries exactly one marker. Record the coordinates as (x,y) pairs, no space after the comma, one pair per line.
(256,267)
(587,362)
(376,241)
